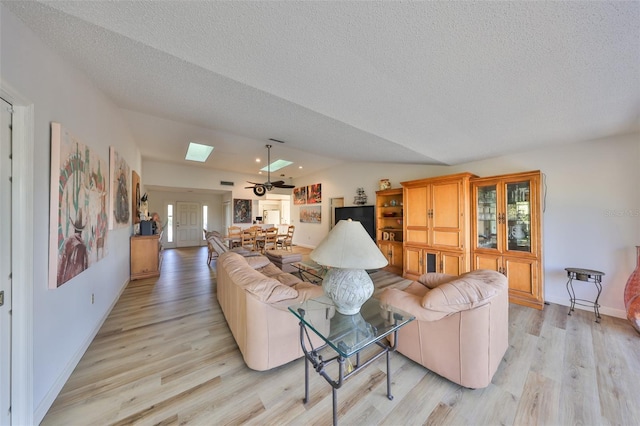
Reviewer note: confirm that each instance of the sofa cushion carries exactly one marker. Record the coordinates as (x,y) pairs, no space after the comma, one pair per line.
(269,270)
(271,291)
(465,292)
(286,278)
(257,262)
(263,288)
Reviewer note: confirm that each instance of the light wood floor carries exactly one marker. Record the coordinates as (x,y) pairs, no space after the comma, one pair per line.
(165,356)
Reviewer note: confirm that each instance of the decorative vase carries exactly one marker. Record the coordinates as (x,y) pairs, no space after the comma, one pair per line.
(348,288)
(632,295)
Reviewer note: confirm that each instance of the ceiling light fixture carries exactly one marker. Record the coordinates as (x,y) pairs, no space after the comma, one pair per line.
(198,152)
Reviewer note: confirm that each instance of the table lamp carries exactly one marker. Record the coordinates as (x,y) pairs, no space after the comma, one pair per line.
(348,250)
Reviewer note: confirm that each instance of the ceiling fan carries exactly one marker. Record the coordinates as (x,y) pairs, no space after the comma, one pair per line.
(261,188)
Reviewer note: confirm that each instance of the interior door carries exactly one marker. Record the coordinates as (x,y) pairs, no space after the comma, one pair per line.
(188,224)
(335,202)
(5,264)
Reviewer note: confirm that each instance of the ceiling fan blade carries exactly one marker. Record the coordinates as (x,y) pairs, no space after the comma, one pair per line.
(278,182)
(285,186)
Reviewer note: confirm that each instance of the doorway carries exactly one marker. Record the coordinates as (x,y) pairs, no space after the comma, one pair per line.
(5,261)
(188,224)
(21,214)
(335,202)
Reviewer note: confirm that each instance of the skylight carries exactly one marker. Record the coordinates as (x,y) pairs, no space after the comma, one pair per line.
(198,152)
(276,165)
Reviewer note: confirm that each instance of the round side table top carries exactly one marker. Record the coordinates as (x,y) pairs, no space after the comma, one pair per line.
(582,271)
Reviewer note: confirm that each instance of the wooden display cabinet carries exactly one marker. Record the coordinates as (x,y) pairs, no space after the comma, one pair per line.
(389,227)
(436,225)
(419,261)
(507,232)
(146,256)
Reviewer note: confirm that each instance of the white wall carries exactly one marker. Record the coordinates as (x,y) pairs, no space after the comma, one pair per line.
(65,320)
(592,207)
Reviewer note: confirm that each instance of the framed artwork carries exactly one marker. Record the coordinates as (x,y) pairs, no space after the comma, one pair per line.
(119,172)
(311,214)
(241,211)
(135,196)
(314,194)
(300,195)
(78,214)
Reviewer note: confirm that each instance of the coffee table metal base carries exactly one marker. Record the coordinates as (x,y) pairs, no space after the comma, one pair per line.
(313,357)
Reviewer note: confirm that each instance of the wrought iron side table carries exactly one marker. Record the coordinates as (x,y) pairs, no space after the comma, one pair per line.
(587,275)
(345,336)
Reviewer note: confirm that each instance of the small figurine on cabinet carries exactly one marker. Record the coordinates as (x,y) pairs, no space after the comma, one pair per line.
(384,184)
(361,198)
(144,207)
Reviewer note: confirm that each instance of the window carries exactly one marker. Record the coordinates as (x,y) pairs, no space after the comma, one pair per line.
(170,223)
(205,221)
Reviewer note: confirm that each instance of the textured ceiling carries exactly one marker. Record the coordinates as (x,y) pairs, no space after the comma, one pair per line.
(404,82)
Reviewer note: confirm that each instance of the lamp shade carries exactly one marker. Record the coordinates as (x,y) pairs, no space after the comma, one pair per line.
(349,246)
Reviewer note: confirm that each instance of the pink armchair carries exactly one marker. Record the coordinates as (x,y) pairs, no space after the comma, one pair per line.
(461,330)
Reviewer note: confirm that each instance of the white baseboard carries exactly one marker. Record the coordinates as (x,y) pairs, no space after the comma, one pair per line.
(53,393)
(618,313)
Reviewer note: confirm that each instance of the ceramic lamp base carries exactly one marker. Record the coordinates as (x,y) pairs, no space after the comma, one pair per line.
(348,289)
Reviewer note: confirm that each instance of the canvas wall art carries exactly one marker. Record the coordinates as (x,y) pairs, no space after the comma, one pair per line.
(311,214)
(241,211)
(314,194)
(300,195)
(119,173)
(79,207)
(135,196)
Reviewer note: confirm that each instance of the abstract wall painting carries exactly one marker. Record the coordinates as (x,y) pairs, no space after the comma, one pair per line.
(311,214)
(241,211)
(78,209)
(314,194)
(300,195)
(135,196)
(119,172)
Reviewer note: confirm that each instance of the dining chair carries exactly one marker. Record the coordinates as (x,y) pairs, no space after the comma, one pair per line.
(248,239)
(234,234)
(286,241)
(270,240)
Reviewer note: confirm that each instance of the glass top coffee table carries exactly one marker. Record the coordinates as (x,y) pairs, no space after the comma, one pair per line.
(347,336)
(310,268)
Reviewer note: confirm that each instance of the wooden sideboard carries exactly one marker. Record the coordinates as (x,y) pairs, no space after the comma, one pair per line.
(146,256)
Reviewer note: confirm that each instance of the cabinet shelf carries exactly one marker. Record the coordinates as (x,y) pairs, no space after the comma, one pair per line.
(389,231)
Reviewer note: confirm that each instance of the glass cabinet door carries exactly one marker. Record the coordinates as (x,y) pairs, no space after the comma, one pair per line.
(486,216)
(518,216)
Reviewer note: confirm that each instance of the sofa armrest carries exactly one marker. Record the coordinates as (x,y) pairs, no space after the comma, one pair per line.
(410,303)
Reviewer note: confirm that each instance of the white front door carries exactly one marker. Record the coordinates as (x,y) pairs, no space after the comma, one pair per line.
(188,224)
(5,264)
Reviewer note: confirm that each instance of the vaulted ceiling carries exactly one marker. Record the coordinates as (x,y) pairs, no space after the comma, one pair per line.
(404,82)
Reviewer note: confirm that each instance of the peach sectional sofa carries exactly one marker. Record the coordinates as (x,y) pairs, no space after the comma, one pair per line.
(461,330)
(254,295)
